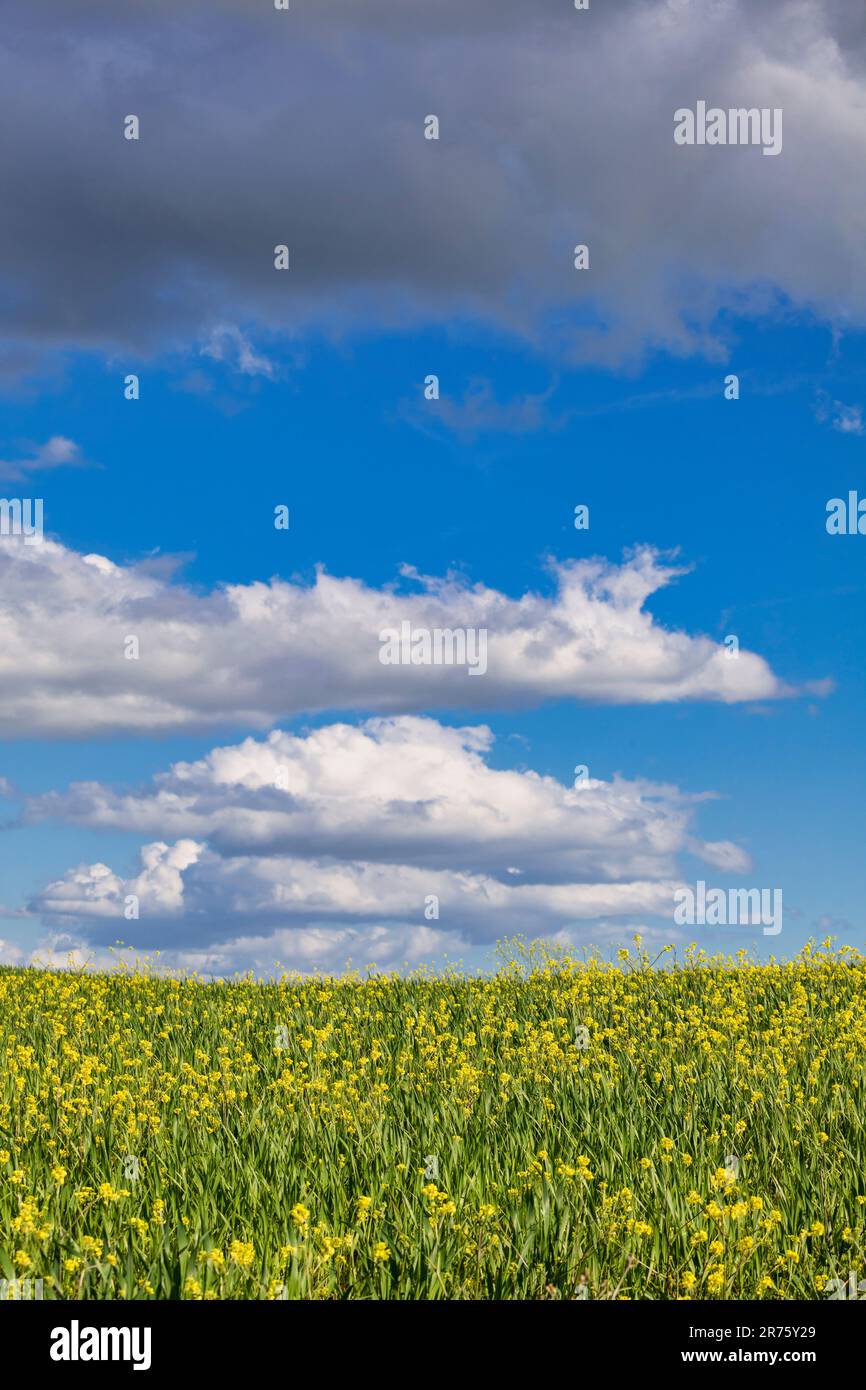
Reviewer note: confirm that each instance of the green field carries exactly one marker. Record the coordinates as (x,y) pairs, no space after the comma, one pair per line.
(565,1128)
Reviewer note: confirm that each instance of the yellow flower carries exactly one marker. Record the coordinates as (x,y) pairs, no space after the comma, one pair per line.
(242,1254)
(109,1194)
(214,1257)
(300,1214)
(381,1251)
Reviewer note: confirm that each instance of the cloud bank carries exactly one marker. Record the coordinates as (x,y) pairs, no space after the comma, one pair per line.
(353,834)
(253,654)
(305,128)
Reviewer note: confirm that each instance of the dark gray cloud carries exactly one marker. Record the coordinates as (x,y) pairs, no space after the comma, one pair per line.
(260,127)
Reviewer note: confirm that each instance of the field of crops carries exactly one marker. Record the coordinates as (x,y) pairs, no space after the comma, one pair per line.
(565,1128)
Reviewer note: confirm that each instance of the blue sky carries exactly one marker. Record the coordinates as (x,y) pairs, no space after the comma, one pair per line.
(329,418)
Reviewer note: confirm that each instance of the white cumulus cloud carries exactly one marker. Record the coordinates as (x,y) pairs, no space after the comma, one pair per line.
(398,831)
(254,654)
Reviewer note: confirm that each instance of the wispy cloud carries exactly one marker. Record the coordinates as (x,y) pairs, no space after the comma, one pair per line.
(227,344)
(56,452)
(847,419)
(478,412)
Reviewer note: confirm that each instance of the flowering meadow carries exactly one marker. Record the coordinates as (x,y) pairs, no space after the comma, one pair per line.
(564,1128)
